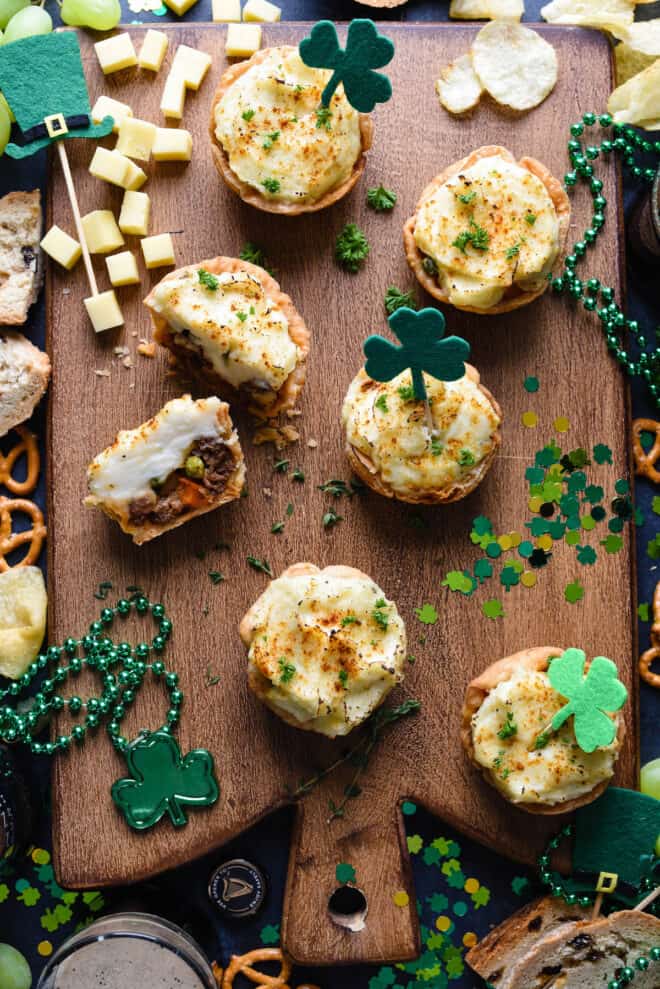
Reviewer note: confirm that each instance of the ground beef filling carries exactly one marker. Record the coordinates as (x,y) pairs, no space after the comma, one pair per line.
(166,503)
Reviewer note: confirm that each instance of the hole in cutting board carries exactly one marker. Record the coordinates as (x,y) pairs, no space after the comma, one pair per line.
(348,908)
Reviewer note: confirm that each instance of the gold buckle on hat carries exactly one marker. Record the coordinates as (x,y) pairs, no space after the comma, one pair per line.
(56,125)
(607,882)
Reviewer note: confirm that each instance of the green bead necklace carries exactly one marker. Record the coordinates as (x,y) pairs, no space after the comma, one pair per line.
(162,781)
(625,142)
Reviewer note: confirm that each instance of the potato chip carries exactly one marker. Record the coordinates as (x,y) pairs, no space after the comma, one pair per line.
(515,64)
(487,10)
(458,87)
(642,36)
(637,101)
(629,62)
(611,15)
(23,602)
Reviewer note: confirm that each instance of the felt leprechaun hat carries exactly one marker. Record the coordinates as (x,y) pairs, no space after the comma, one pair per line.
(43,82)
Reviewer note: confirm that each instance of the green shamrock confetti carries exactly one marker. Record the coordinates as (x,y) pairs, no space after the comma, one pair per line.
(4,892)
(415,844)
(482,525)
(427,614)
(612,544)
(438,902)
(422,350)
(643,612)
(653,547)
(354,65)
(431,856)
(29,896)
(482,570)
(493,608)
(480,897)
(589,697)
(574,592)
(457,581)
(344,873)
(531,384)
(509,577)
(602,454)
(270,934)
(655,504)
(586,555)
(519,884)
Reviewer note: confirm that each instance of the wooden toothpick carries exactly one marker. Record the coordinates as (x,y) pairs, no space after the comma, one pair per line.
(643,904)
(73,199)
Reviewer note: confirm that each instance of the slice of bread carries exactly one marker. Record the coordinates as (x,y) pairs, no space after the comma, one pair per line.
(590,954)
(497,954)
(24,376)
(20,255)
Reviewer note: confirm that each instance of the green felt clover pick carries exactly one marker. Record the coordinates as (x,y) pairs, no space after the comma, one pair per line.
(163,781)
(589,697)
(422,349)
(354,65)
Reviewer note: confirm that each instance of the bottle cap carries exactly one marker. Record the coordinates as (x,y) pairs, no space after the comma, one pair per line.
(237,888)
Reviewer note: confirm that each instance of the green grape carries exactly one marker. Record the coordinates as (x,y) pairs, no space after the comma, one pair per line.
(31,20)
(14,970)
(101,15)
(3,101)
(649,783)
(8,8)
(5,128)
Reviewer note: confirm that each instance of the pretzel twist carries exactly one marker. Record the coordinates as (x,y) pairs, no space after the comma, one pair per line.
(645,461)
(32,537)
(653,652)
(243,964)
(26,445)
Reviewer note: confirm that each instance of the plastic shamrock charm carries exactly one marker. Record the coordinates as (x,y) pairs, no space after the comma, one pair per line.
(354,65)
(163,782)
(589,697)
(422,349)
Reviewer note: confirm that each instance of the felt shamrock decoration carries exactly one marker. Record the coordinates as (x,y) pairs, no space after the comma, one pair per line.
(589,697)
(354,65)
(163,782)
(422,349)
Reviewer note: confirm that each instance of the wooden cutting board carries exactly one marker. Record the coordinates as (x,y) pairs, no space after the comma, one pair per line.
(256,755)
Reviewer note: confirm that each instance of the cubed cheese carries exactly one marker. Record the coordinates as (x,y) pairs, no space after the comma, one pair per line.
(135,178)
(243,40)
(136,138)
(180,6)
(105,106)
(174,95)
(153,50)
(115,53)
(261,10)
(172,144)
(191,65)
(134,214)
(123,269)
(101,232)
(62,248)
(158,250)
(110,166)
(103,310)
(226,11)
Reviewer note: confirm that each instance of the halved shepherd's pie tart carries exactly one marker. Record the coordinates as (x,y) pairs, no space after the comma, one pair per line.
(273,142)
(391,448)
(487,231)
(183,462)
(506,712)
(229,325)
(325,647)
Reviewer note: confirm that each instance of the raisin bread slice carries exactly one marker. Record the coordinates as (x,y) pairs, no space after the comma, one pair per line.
(24,376)
(497,954)
(20,255)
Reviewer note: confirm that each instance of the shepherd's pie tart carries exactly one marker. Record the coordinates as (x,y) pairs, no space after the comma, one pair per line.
(487,231)
(183,462)
(505,712)
(273,142)
(325,647)
(392,449)
(228,324)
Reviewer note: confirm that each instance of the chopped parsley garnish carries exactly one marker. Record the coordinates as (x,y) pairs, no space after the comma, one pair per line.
(411,659)
(466,458)
(430,267)
(104,587)
(513,251)
(242,316)
(298,88)
(395,299)
(281,466)
(216,577)
(343,678)
(351,248)
(542,740)
(208,280)
(436,446)
(467,197)
(277,527)
(252,310)
(289,510)
(381,199)
(381,403)
(255,255)
(380,614)
(475,235)
(263,566)
(269,141)
(336,488)
(211,678)
(509,728)
(406,393)
(247,115)
(287,670)
(331,518)
(323,118)
(530,218)
(350,620)
(271,185)
(497,761)
(506,772)
(298,475)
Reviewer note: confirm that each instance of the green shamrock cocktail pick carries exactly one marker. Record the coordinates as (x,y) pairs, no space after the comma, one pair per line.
(589,697)
(163,781)
(354,65)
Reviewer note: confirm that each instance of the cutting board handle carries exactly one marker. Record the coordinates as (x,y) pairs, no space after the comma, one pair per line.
(376,847)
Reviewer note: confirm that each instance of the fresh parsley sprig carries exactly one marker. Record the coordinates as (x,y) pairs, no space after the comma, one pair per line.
(475,235)
(381,199)
(351,248)
(396,299)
